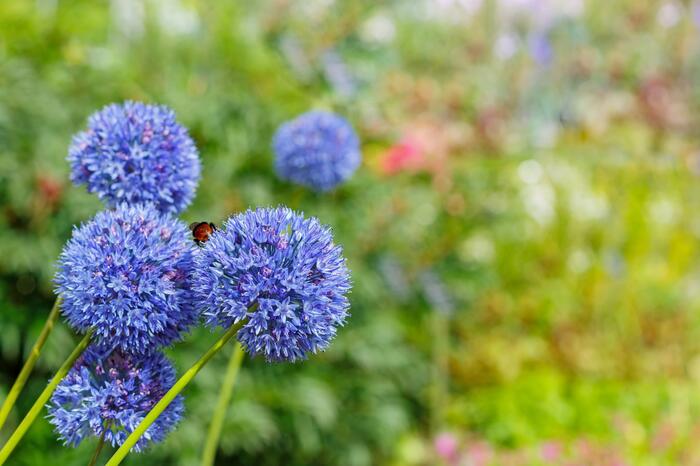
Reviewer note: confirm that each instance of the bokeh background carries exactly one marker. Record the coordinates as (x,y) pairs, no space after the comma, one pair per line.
(523,233)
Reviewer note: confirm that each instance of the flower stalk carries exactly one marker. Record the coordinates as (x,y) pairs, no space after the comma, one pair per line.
(43,398)
(217,421)
(100,445)
(29,364)
(170,395)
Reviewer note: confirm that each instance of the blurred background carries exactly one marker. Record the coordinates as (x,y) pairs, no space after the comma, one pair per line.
(523,233)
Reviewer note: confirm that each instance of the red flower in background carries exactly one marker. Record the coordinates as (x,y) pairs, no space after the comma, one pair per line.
(406,155)
(425,146)
(49,189)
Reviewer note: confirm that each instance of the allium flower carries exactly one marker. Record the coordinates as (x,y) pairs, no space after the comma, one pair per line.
(317,149)
(113,392)
(279,272)
(136,153)
(126,274)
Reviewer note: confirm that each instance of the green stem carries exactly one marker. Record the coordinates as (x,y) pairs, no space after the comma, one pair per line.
(100,444)
(217,421)
(43,398)
(186,378)
(441,337)
(29,364)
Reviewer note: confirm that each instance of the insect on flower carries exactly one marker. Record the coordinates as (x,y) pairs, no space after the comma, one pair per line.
(201,231)
(279,273)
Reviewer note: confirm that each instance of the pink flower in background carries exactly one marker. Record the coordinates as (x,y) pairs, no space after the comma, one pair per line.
(478,454)
(406,155)
(446,446)
(663,437)
(584,448)
(551,451)
(425,146)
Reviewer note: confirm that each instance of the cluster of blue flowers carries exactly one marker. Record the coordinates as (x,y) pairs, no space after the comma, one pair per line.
(134,276)
(134,153)
(109,392)
(282,275)
(126,274)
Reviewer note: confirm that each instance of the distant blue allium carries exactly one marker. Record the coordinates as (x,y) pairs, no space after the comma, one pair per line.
(317,149)
(338,75)
(540,48)
(279,272)
(113,392)
(136,153)
(126,273)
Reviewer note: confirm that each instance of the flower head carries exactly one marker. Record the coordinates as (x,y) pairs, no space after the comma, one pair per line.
(281,274)
(317,149)
(113,391)
(136,153)
(126,274)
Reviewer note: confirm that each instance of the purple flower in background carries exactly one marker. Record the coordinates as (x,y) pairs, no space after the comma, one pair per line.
(395,277)
(296,58)
(318,149)
(436,293)
(338,75)
(126,274)
(695,13)
(113,392)
(540,48)
(136,153)
(281,274)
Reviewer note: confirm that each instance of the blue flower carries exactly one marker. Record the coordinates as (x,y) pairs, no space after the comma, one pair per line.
(541,48)
(281,274)
(126,273)
(113,391)
(317,149)
(136,153)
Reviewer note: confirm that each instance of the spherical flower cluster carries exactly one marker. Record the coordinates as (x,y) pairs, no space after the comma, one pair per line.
(136,153)
(317,149)
(279,273)
(126,273)
(113,391)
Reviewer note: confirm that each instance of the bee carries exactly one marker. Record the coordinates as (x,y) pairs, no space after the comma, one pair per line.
(201,231)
